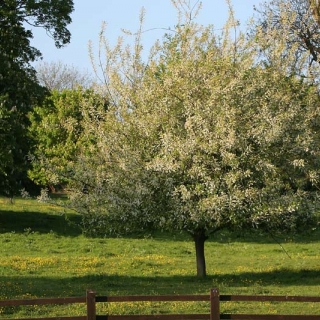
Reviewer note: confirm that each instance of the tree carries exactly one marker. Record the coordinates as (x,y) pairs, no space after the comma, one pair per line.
(19,90)
(298,20)
(57,129)
(16,15)
(59,76)
(206,135)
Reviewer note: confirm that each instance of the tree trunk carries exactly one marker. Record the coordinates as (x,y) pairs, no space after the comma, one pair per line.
(199,239)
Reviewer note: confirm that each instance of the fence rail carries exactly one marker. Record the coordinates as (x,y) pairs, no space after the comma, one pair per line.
(214,298)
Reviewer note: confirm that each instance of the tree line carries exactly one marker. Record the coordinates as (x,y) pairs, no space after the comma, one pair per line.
(213,130)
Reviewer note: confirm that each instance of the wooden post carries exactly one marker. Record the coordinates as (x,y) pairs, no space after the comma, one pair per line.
(91,305)
(214,304)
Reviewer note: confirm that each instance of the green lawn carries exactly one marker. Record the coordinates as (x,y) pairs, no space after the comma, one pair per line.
(44,254)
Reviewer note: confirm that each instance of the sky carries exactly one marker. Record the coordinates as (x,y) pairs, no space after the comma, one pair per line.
(88,16)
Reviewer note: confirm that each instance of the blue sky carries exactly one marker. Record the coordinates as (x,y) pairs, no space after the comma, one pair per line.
(89,15)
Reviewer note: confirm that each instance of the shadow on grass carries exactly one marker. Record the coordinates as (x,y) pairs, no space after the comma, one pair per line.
(104,284)
(19,222)
(70,225)
(263,237)
(226,236)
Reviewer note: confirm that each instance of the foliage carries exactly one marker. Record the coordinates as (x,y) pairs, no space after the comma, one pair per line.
(315,8)
(16,15)
(18,93)
(59,76)
(57,128)
(298,21)
(19,90)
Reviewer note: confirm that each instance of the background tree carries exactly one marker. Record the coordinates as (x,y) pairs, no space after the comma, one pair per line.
(19,89)
(206,135)
(60,76)
(57,129)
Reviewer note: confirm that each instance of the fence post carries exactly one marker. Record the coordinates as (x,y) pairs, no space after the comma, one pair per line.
(91,305)
(214,304)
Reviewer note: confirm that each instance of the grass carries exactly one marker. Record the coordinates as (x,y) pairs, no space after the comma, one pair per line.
(44,254)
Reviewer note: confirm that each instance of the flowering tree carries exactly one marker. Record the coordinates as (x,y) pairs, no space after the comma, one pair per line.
(298,20)
(205,135)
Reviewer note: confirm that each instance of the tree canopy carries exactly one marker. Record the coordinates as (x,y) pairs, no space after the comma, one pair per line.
(57,129)
(60,76)
(17,15)
(299,21)
(19,89)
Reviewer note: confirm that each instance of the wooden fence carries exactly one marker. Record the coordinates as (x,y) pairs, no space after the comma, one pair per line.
(214,298)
